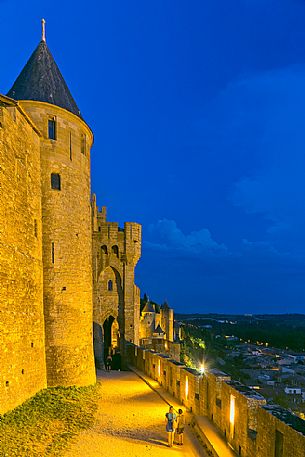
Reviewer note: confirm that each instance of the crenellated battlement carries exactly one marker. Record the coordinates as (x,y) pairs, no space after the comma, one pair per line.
(115,242)
(115,253)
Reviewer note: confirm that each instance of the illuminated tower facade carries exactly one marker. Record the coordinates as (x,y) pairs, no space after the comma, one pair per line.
(66,217)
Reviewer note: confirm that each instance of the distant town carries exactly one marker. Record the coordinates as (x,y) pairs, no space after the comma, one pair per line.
(264,352)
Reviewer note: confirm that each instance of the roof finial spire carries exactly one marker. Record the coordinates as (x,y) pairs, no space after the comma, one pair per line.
(43,30)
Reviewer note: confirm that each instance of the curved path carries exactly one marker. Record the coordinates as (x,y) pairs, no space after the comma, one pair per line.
(130,422)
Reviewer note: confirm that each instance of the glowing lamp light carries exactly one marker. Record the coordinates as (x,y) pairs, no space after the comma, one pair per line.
(159,368)
(186,387)
(232,410)
(202,369)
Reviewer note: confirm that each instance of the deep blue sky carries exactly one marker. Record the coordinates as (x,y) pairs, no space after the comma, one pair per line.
(198,111)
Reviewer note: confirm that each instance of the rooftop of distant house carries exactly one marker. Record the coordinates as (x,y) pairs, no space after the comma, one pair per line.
(286,416)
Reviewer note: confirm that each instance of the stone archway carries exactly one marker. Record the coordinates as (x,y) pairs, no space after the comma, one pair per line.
(115,335)
(107,326)
(112,341)
(98,345)
(109,313)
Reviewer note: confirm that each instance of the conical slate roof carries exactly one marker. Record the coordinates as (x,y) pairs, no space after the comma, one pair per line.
(159,330)
(148,308)
(41,80)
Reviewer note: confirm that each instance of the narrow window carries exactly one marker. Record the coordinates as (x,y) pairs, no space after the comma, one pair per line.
(35,228)
(104,249)
(115,250)
(279,444)
(70,145)
(52,128)
(110,285)
(83,144)
(55,181)
(53,252)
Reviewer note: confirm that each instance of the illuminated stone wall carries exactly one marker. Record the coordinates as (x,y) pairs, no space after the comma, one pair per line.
(67,245)
(23,369)
(167,322)
(268,427)
(241,415)
(116,252)
(46,256)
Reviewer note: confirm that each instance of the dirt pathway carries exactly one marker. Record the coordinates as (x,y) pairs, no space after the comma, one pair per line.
(129,423)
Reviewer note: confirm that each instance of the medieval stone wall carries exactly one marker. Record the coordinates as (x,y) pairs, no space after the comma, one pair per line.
(147,324)
(23,368)
(240,414)
(116,252)
(46,315)
(67,245)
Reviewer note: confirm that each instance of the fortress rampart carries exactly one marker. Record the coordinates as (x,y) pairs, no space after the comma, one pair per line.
(23,367)
(250,426)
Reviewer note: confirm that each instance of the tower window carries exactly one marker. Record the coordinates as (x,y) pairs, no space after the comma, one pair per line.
(35,228)
(83,144)
(115,250)
(53,252)
(52,128)
(55,181)
(110,285)
(104,249)
(70,145)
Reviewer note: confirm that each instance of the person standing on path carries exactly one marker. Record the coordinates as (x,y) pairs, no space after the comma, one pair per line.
(108,362)
(180,426)
(170,425)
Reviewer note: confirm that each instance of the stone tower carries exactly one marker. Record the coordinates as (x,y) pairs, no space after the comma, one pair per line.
(116,299)
(148,322)
(167,321)
(66,218)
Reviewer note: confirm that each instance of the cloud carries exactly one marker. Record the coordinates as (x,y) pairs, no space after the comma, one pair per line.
(165,235)
(255,279)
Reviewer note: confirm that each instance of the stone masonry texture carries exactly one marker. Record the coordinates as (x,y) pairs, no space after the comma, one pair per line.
(116,252)
(66,242)
(23,368)
(58,254)
(254,428)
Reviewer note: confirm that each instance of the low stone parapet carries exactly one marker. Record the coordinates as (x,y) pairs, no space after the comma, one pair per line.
(249,426)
